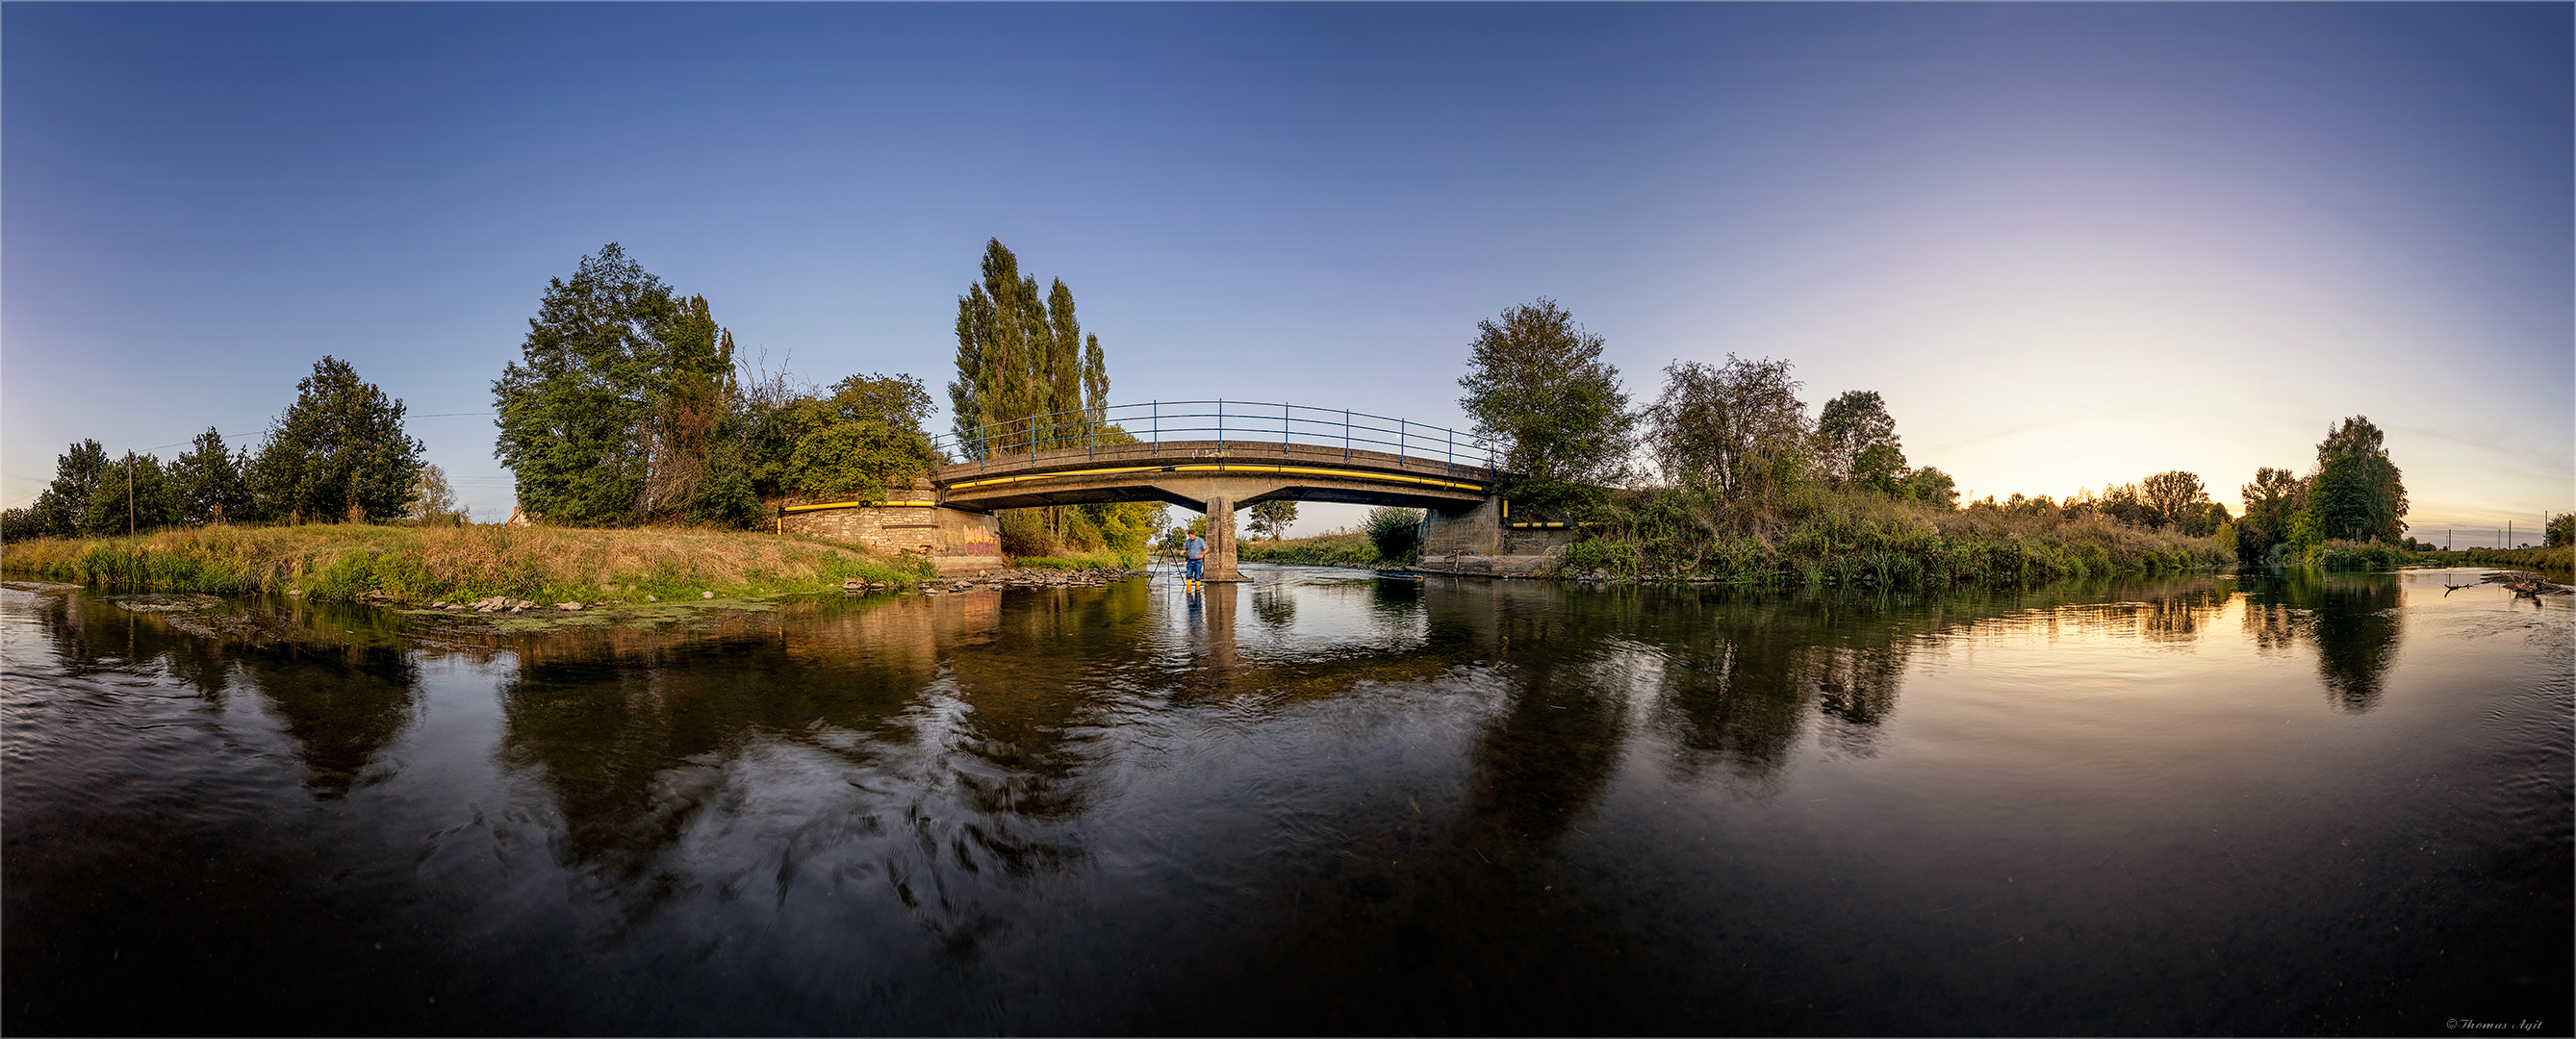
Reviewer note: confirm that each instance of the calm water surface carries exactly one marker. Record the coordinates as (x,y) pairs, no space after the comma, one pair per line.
(1319,803)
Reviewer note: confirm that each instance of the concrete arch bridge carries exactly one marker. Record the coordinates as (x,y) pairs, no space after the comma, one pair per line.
(1210,456)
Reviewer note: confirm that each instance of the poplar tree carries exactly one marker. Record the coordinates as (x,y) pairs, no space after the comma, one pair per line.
(1021,355)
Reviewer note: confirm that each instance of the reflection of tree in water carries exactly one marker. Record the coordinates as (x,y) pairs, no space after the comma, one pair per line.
(1274,607)
(2352,618)
(1736,693)
(1857,686)
(631,730)
(2180,618)
(1541,762)
(2271,626)
(342,705)
(926,741)
(1021,756)
(337,678)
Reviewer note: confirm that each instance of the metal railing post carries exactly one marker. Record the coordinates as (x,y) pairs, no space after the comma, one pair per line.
(1220,423)
(1399,441)
(1346,434)
(1283,427)
(1450,453)
(1157,416)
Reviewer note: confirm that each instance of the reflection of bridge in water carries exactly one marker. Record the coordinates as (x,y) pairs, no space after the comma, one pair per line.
(1211,456)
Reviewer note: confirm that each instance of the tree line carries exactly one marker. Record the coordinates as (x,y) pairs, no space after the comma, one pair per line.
(339,453)
(1566,435)
(630,405)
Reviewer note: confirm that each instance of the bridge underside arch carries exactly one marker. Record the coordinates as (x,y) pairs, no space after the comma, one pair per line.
(1192,474)
(1195,492)
(1217,477)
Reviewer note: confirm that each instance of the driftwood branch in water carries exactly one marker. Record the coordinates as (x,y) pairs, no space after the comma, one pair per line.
(2524,582)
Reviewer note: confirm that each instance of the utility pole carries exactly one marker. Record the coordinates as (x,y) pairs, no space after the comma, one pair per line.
(129,494)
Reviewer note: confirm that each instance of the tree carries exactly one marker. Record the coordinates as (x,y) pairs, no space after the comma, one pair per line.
(21,523)
(209,483)
(2171,497)
(2269,503)
(1020,355)
(1931,487)
(1738,429)
(133,496)
(338,452)
(2561,530)
(1856,442)
(433,501)
(66,502)
(864,438)
(2124,503)
(1029,376)
(1272,517)
(1553,411)
(2355,491)
(1394,532)
(616,410)
(2203,518)
(692,469)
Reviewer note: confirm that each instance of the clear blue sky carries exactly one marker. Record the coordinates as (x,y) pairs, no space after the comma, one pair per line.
(2070,244)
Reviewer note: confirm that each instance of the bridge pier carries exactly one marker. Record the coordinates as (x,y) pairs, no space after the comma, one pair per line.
(1485,540)
(1220,557)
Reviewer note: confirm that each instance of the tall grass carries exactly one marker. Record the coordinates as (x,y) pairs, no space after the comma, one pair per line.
(426,564)
(1813,536)
(2560,559)
(1347,548)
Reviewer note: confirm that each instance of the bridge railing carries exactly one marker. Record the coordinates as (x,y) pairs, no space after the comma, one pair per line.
(1158,422)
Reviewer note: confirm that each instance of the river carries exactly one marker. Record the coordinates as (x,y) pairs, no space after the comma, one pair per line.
(1318,803)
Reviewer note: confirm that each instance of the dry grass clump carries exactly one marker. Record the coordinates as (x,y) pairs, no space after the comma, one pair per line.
(425,564)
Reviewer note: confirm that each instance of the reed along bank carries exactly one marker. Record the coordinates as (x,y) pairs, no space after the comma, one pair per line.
(359,562)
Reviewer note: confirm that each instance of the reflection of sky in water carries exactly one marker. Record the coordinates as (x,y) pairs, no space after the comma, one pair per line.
(1324,803)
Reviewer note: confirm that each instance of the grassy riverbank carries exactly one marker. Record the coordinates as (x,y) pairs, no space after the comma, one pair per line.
(1816,537)
(2560,560)
(354,562)
(1337,549)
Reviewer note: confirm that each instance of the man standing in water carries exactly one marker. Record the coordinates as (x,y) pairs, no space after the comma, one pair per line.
(1196,550)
